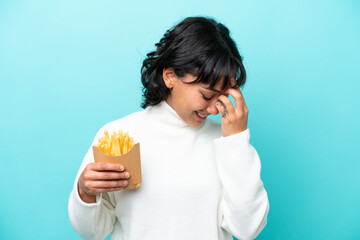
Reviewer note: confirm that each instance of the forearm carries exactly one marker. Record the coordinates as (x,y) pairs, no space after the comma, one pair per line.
(244,204)
(92,217)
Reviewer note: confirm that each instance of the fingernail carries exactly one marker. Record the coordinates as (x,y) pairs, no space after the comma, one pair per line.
(127,174)
(121,168)
(125,183)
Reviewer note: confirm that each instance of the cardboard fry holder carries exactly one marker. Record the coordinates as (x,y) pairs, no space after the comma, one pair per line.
(130,161)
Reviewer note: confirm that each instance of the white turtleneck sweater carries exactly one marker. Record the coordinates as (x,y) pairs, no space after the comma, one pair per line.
(196,184)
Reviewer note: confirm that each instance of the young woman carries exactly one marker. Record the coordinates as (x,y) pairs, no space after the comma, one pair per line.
(200,179)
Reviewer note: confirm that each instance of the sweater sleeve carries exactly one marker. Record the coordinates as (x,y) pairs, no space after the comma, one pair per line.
(244,204)
(94,220)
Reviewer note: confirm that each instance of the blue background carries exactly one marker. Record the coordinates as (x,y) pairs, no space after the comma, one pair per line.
(68,67)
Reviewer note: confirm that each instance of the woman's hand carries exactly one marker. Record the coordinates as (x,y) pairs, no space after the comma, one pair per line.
(233,119)
(101,177)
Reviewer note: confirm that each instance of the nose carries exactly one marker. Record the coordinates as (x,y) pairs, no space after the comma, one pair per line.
(212,108)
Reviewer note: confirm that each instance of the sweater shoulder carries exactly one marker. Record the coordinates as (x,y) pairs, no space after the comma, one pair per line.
(127,121)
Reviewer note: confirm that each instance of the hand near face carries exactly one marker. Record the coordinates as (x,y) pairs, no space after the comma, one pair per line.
(233,119)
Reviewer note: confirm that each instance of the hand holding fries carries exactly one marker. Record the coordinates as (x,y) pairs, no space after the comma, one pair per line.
(101,177)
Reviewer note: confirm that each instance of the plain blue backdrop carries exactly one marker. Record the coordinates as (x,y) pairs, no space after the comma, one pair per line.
(68,67)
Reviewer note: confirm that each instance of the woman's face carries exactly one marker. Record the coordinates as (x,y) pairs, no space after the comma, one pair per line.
(192,102)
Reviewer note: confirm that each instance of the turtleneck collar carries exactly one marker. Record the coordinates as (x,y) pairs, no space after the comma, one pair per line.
(164,113)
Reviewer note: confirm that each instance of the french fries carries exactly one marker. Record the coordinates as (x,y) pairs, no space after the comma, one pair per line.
(116,145)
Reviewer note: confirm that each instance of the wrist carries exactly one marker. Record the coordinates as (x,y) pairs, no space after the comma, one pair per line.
(88,198)
(233,132)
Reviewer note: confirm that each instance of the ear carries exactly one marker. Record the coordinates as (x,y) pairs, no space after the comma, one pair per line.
(169,77)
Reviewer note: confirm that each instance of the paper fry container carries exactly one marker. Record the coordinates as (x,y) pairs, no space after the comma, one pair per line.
(130,161)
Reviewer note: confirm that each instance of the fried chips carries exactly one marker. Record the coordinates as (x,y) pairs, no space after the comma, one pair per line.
(118,144)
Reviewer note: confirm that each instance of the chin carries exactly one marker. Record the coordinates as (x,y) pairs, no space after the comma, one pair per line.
(195,123)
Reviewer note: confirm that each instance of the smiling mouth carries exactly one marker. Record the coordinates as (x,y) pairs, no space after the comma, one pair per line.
(199,115)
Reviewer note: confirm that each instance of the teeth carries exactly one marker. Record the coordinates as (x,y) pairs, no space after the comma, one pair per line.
(201,115)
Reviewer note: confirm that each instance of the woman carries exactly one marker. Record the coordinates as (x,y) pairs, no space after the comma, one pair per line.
(200,179)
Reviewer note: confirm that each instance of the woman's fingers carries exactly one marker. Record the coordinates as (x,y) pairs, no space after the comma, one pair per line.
(222,110)
(238,97)
(106,175)
(103,177)
(230,110)
(106,167)
(234,119)
(106,184)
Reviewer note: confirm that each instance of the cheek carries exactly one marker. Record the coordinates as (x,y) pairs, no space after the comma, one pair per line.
(200,104)
(193,99)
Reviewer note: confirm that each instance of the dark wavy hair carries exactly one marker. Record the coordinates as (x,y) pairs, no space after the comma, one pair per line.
(199,46)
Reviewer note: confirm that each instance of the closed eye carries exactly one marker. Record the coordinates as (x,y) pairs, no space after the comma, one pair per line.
(206,98)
